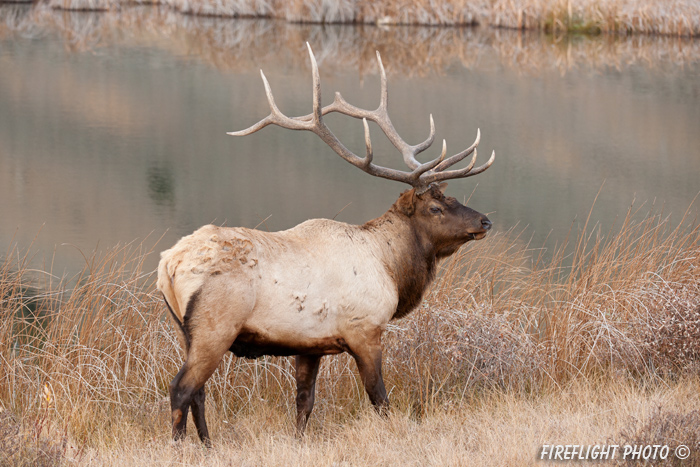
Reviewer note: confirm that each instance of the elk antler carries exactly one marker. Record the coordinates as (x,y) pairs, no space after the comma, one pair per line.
(421,175)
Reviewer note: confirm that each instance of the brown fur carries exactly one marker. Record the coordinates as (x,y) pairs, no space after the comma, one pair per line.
(320,288)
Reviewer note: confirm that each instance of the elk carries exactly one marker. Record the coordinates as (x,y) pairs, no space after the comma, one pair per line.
(322,287)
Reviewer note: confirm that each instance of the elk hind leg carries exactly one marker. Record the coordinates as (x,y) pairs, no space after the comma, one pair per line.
(187,389)
(306,373)
(200,421)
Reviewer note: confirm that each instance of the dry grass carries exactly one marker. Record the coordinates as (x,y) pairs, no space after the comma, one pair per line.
(514,346)
(501,429)
(669,427)
(666,17)
(249,45)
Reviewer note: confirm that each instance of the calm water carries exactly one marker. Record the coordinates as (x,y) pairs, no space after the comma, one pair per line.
(113,126)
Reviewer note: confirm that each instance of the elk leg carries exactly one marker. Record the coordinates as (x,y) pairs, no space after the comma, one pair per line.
(306,372)
(179,405)
(200,421)
(188,388)
(369,363)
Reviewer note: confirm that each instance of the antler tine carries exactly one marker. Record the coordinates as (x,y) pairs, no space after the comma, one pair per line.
(382,119)
(384,92)
(418,148)
(481,168)
(423,168)
(276,116)
(316,79)
(459,156)
(368,143)
(459,173)
(265,121)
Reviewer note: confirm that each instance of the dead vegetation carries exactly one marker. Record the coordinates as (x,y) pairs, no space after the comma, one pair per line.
(85,363)
(246,45)
(665,427)
(662,17)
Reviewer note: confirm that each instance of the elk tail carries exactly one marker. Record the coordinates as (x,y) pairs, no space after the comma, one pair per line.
(165,286)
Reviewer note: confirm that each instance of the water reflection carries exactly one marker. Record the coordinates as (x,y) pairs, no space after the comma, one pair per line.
(161,185)
(112,125)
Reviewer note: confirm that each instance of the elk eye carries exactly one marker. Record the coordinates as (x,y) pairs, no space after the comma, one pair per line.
(435,210)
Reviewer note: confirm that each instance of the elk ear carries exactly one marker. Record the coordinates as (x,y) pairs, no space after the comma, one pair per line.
(436,190)
(406,203)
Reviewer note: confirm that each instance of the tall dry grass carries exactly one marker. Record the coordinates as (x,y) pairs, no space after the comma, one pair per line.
(85,362)
(249,45)
(502,430)
(666,17)
(622,302)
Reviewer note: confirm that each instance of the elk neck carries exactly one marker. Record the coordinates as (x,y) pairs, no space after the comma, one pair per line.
(408,256)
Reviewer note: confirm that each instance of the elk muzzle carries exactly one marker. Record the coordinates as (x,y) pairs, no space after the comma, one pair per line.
(486,225)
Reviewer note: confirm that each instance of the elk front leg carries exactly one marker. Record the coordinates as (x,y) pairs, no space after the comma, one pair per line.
(306,372)
(368,356)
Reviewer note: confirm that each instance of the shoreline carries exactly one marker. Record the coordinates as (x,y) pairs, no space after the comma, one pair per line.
(589,17)
(241,45)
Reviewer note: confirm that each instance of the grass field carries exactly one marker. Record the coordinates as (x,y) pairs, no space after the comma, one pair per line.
(597,341)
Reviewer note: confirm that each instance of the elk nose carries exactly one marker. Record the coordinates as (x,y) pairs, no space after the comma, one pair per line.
(486,224)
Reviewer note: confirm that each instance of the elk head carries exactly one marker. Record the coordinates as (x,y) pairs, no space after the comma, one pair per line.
(444,222)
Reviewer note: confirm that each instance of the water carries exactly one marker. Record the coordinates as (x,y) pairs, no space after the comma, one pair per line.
(113,125)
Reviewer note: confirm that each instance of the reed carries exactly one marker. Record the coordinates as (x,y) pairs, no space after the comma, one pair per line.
(664,17)
(248,45)
(85,362)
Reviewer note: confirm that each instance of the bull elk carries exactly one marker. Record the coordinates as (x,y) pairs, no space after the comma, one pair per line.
(322,287)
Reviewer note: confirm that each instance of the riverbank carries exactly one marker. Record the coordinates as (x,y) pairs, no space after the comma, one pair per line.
(657,17)
(246,45)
